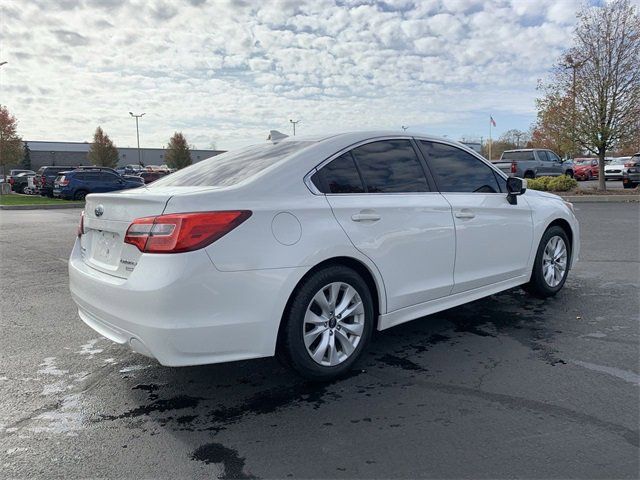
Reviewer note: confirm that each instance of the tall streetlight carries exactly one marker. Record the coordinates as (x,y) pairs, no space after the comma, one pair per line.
(294,123)
(517,135)
(138,135)
(570,62)
(404,129)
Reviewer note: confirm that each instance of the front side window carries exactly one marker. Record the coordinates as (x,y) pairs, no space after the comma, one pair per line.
(390,166)
(459,171)
(553,157)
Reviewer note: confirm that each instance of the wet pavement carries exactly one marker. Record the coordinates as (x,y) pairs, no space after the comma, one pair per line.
(508,386)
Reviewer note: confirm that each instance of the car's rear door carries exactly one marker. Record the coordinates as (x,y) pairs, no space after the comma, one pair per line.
(493,237)
(380,195)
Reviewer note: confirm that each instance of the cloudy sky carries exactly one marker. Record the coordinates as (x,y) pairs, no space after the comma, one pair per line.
(226,72)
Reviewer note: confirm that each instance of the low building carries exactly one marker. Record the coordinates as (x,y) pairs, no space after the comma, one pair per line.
(76,153)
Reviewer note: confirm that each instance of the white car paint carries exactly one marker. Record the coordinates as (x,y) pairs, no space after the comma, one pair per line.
(427,252)
(615,169)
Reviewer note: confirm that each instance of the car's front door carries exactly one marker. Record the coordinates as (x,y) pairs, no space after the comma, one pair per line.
(380,195)
(493,237)
(555,164)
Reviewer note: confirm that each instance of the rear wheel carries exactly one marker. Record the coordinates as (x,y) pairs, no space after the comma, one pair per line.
(328,324)
(80,195)
(629,185)
(569,173)
(551,265)
(529,175)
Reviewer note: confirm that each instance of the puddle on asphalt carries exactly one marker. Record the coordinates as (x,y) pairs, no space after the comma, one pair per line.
(232,464)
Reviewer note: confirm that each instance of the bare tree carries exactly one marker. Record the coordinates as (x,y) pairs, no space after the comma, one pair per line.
(601,73)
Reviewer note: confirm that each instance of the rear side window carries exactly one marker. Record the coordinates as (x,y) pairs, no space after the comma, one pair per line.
(459,171)
(339,176)
(233,167)
(390,166)
(543,156)
(518,156)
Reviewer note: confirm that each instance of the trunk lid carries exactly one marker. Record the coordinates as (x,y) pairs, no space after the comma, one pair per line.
(107,218)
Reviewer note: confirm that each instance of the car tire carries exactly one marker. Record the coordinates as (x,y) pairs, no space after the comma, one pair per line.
(529,175)
(314,340)
(628,185)
(569,173)
(551,264)
(80,195)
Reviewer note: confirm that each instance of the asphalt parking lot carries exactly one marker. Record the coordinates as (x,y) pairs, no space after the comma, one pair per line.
(508,386)
(593,184)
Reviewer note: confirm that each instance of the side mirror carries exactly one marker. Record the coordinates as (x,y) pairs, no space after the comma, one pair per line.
(515,186)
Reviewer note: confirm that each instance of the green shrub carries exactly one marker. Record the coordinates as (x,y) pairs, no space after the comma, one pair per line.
(562,183)
(540,183)
(552,184)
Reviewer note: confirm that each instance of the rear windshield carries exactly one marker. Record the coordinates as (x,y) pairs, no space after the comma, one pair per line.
(231,168)
(517,156)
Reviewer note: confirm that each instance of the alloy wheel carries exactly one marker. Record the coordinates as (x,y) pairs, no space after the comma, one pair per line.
(554,261)
(333,324)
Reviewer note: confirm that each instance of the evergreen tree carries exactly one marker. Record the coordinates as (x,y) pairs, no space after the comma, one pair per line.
(178,155)
(26,158)
(103,152)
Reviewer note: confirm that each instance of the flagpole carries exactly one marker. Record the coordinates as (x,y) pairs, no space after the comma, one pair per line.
(490,142)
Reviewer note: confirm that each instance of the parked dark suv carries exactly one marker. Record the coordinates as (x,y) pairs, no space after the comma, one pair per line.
(77,184)
(45,176)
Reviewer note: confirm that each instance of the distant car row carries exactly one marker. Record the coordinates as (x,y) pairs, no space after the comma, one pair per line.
(621,168)
(533,162)
(76,182)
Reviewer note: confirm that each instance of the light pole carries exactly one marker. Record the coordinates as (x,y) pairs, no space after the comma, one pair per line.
(138,135)
(404,129)
(571,63)
(294,123)
(517,135)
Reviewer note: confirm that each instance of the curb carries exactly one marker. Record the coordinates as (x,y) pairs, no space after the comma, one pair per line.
(41,207)
(601,198)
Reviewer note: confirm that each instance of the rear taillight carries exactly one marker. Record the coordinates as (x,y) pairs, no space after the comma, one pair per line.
(81,225)
(514,167)
(63,182)
(182,232)
(12,181)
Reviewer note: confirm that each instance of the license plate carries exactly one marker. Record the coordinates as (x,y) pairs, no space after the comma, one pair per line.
(104,246)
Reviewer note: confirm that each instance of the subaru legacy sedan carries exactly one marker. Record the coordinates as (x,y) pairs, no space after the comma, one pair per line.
(301,247)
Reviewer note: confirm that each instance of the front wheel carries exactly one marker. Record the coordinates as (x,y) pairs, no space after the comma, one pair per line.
(551,265)
(328,324)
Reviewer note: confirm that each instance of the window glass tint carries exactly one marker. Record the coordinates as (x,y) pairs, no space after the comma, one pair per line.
(459,171)
(542,155)
(390,166)
(553,157)
(230,168)
(79,176)
(502,182)
(108,177)
(340,176)
(522,156)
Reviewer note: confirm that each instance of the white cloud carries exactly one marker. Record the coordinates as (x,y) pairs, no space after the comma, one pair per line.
(228,71)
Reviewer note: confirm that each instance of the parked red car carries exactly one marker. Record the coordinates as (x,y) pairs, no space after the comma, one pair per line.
(585,168)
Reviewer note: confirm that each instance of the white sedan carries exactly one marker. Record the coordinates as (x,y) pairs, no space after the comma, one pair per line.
(615,169)
(302,247)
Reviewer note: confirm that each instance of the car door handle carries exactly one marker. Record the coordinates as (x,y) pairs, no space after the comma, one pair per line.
(365,217)
(465,214)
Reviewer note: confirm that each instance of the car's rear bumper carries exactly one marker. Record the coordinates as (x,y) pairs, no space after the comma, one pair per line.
(181,310)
